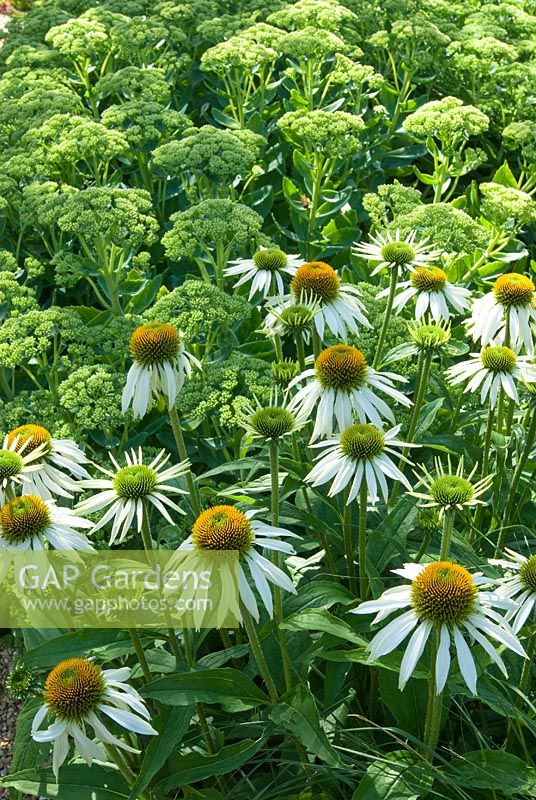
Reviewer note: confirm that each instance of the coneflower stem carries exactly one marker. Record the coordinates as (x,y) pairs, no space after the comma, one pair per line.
(183,455)
(348,543)
(435,704)
(317,342)
(423,371)
(516,477)
(251,631)
(393,280)
(485,463)
(203,724)
(300,350)
(140,653)
(363,578)
(523,684)
(149,549)
(448,525)
(119,760)
(276,557)
(456,414)
(487,443)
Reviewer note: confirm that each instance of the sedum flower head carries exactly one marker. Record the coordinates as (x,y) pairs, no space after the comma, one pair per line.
(79,39)
(92,395)
(447,119)
(305,44)
(324,15)
(507,206)
(334,133)
(123,216)
(238,52)
(222,387)
(144,123)
(450,228)
(197,308)
(219,156)
(134,83)
(349,71)
(210,223)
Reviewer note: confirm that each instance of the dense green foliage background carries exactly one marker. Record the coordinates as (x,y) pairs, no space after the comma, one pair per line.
(143,145)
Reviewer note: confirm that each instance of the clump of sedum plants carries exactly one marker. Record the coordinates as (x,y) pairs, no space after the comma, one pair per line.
(267,284)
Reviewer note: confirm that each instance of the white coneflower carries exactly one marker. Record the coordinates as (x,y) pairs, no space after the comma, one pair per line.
(272,421)
(265,270)
(79,693)
(227,528)
(493,368)
(338,306)
(16,464)
(360,453)
(160,366)
(449,489)
(59,465)
(29,523)
(509,307)
(446,598)
(520,587)
(396,251)
(342,385)
(288,315)
(433,293)
(127,489)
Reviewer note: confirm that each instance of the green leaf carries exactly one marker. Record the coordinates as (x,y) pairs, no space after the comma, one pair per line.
(398,777)
(429,180)
(77,782)
(491,769)
(171,724)
(79,643)
(319,594)
(428,414)
(505,176)
(228,687)
(299,715)
(320,620)
(196,767)
(27,752)
(408,707)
